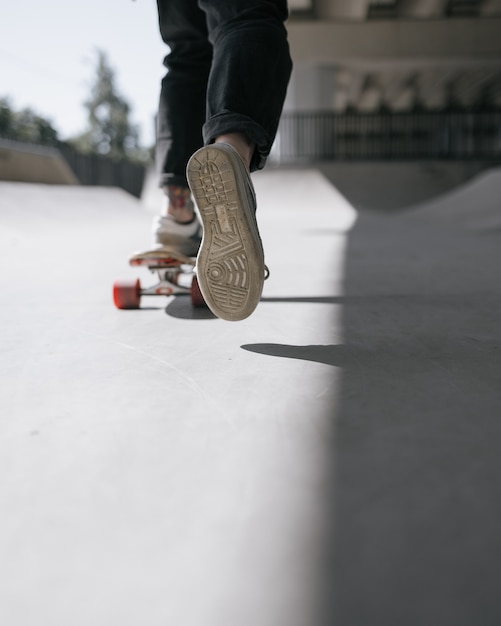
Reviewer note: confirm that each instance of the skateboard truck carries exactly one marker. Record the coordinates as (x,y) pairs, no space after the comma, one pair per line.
(176,275)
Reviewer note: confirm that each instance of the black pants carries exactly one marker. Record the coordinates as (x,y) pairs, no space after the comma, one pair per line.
(228,70)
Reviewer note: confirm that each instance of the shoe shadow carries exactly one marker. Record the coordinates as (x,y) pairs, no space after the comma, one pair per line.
(328,354)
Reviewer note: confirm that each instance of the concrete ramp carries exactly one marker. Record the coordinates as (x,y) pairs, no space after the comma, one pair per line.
(391,186)
(333,460)
(474,205)
(34,164)
(146,457)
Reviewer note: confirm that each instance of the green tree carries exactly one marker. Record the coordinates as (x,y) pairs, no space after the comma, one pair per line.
(6,118)
(110,131)
(26,126)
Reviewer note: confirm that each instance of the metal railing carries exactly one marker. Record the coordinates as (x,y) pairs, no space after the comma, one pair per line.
(91,169)
(306,136)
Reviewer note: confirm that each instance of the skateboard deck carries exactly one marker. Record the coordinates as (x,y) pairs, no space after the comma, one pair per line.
(176,275)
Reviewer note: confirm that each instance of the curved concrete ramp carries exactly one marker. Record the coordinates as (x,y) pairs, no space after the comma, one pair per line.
(475,205)
(334,459)
(34,164)
(396,185)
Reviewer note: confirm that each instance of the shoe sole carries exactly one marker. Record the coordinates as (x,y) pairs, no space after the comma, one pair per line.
(230,262)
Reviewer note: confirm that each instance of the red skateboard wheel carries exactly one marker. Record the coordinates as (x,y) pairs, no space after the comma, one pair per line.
(127,294)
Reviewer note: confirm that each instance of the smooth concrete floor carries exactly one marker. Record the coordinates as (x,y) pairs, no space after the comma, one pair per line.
(334,460)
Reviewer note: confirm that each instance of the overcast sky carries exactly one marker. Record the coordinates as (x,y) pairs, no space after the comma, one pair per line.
(47,57)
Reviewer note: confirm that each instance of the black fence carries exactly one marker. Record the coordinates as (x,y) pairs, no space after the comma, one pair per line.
(389,136)
(91,169)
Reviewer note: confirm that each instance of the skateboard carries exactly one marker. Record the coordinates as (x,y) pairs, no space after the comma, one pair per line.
(176,275)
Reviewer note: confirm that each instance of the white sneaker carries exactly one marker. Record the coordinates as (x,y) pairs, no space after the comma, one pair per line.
(185,238)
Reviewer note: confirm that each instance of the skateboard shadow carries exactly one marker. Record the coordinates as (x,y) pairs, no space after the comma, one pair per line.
(181,307)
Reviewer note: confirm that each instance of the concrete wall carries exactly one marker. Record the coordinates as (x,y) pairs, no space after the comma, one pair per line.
(396,41)
(398,62)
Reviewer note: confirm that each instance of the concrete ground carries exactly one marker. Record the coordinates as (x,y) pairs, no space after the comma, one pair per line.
(333,460)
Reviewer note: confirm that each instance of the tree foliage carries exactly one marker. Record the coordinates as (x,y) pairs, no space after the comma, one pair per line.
(26,126)
(109,131)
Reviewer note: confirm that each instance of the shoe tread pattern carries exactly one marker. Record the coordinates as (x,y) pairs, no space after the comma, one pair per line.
(225,250)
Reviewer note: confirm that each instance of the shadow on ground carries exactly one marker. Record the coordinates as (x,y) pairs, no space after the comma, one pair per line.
(413,477)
